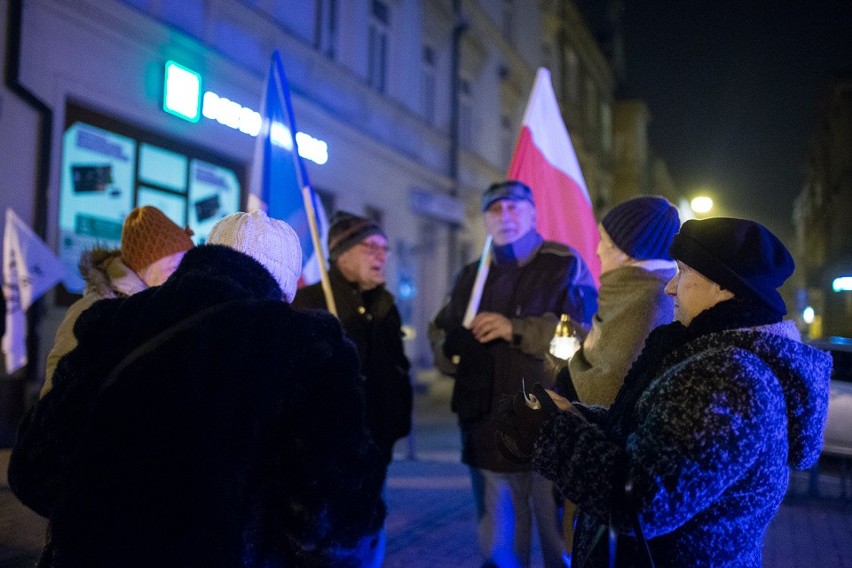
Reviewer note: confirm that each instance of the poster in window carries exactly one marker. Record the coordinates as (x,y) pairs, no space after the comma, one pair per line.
(96,193)
(214,193)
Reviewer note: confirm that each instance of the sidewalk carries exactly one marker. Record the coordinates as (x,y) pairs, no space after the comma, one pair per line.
(431,519)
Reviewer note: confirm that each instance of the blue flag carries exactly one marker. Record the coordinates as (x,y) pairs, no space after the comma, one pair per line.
(278,172)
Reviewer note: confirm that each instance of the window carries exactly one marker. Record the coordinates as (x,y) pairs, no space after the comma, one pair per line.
(572,75)
(547,62)
(377,48)
(590,105)
(619,147)
(325,36)
(465,115)
(507,142)
(109,167)
(506,13)
(374,214)
(427,84)
(606,126)
(327,199)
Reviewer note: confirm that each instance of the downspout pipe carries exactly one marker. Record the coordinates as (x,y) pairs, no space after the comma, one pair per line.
(15,19)
(14,37)
(459,28)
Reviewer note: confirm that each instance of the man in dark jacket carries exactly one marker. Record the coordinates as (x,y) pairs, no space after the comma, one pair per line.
(205,422)
(358,250)
(530,283)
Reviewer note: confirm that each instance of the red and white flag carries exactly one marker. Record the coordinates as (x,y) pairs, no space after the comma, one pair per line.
(545,160)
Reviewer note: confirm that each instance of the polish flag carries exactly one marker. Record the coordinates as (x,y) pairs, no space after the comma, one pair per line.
(545,160)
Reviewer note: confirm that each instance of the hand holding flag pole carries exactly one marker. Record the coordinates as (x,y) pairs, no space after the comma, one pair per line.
(279,181)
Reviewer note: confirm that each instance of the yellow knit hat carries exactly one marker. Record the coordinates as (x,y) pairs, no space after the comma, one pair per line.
(148,235)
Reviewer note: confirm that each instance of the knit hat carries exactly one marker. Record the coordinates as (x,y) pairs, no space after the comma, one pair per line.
(509,189)
(148,235)
(271,242)
(643,227)
(737,254)
(347,230)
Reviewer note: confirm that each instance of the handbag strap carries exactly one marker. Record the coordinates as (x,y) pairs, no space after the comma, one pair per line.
(612,529)
(162,337)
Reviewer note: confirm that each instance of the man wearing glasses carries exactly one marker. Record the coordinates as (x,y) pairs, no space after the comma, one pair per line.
(358,251)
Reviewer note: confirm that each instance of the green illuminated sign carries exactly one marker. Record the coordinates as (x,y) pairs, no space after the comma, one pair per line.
(182,96)
(182,92)
(842,284)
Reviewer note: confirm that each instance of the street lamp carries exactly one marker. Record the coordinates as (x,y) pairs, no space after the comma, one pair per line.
(701,204)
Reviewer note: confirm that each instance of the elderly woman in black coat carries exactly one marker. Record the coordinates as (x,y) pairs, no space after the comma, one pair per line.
(694,453)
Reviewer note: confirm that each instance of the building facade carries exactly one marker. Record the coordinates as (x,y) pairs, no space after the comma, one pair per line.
(821,217)
(412,108)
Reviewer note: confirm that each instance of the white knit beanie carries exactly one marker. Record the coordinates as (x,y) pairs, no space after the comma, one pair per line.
(271,242)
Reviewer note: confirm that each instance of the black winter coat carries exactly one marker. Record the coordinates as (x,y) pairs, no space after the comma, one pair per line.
(222,445)
(373,323)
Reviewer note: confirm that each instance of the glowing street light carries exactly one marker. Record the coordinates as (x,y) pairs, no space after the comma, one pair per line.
(701,204)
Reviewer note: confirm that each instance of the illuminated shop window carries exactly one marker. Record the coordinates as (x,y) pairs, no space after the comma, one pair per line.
(109,167)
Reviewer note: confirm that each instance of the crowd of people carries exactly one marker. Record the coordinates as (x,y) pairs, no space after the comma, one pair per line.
(200,409)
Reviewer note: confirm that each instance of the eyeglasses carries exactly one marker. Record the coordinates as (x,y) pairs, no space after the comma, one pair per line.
(375,248)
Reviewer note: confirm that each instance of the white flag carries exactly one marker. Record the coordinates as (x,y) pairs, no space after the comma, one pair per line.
(29,270)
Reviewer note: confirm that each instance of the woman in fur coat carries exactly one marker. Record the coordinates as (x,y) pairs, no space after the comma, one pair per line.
(694,452)
(205,422)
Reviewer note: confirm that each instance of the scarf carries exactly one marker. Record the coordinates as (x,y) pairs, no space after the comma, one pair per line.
(518,251)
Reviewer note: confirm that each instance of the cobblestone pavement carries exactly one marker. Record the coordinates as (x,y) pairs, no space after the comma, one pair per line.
(431,520)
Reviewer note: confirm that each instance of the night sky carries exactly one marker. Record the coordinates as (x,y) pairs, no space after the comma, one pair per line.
(732,87)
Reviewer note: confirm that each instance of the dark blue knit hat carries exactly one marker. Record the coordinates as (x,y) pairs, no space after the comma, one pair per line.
(643,227)
(737,254)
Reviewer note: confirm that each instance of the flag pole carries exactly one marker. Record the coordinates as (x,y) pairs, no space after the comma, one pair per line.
(307,197)
(478,283)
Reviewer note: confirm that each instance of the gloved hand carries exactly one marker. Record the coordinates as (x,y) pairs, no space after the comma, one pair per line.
(517,425)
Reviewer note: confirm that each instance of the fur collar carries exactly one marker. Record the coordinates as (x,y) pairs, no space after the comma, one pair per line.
(107,276)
